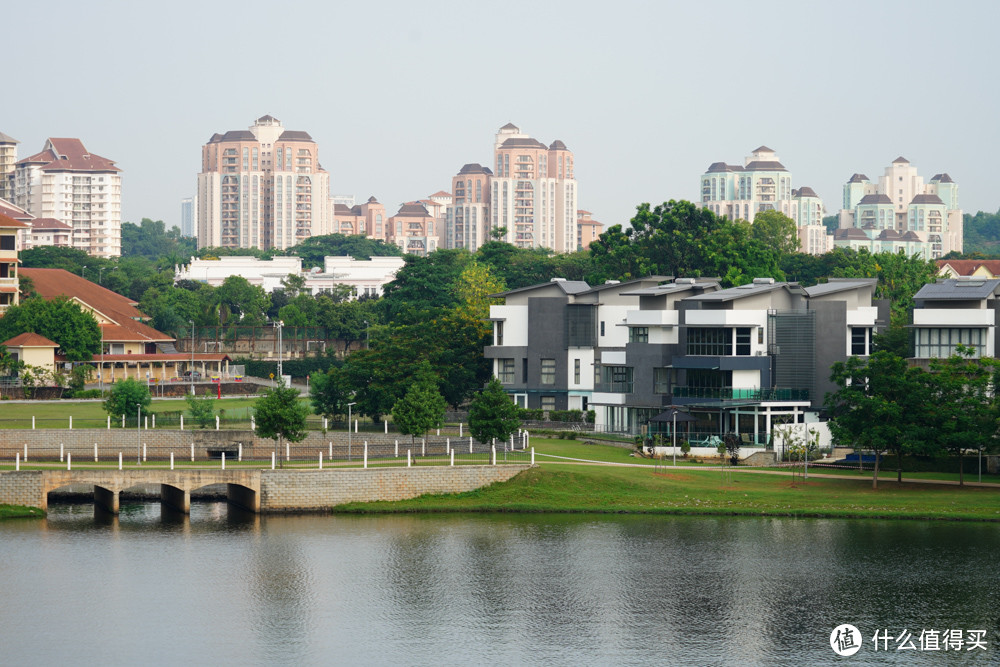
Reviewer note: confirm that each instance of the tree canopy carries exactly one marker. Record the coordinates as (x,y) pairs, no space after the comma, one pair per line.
(60,320)
(126,398)
(421,408)
(314,249)
(280,414)
(492,414)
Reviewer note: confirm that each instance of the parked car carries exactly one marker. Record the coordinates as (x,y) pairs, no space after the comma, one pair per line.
(192,375)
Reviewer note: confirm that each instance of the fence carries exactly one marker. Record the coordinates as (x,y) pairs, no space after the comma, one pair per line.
(428,451)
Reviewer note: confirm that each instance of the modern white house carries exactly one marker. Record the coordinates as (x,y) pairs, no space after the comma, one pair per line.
(956,311)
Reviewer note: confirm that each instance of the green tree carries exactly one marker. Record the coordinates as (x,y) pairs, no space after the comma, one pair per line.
(152,240)
(492,414)
(237,297)
(202,410)
(314,249)
(423,286)
(60,320)
(420,409)
(126,398)
(330,393)
(776,231)
(280,414)
(876,405)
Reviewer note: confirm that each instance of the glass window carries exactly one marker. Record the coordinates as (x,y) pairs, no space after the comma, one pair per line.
(859,341)
(576,371)
(506,371)
(743,341)
(638,334)
(548,371)
(942,343)
(548,403)
(709,342)
(602,327)
(499,335)
(661,380)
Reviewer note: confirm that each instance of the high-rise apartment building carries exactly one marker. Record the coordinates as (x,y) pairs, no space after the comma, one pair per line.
(8,157)
(366,219)
(531,194)
(262,188)
(587,229)
(762,183)
(901,213)
(188,216)
(413,229)
(67,182)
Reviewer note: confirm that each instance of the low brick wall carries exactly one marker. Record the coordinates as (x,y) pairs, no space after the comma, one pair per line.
(284,491)
(21,488)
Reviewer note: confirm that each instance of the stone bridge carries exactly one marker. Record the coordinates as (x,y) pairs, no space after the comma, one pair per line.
(242,486)
(258,490)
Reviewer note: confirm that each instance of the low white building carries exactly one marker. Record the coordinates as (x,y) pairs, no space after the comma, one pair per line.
(365,277)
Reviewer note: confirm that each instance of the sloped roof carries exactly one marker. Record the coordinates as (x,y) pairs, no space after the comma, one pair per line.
(858,178)
(762,149)
(743,291)
(765,165)
(954,289)
(806,191)
(441,193)
(41,224)
(943,178)
(966,267)
(29,339)
(474,168)
(927,199)
(875,199)
(69,154)
(266,118)
(716,167)
(7,139)
(52,283)
(567,286)
(836,285)
(523,142)
(901,160)
(849,233)
(510,126)
(11,211)
(8,222)
(413,210)
(557,145)
(295,135)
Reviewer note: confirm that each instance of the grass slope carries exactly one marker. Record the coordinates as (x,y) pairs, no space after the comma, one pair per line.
(19,512)
(557,488)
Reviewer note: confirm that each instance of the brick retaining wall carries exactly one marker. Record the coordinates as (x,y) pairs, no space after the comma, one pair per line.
(283,491)
(22,488)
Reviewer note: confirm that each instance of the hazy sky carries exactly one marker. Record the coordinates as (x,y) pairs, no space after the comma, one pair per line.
(399,95)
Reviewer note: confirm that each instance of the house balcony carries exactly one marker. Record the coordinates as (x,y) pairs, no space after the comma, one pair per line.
(755,394)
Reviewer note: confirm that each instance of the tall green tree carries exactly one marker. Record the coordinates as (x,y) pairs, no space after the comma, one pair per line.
(279,414)
(314,249)
(60,320)
(492,414)
(127,397)
(420,409)
(330,393)
(237,297)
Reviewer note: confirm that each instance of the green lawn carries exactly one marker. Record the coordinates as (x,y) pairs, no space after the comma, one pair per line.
(606,453)
(566,488)
(19,512)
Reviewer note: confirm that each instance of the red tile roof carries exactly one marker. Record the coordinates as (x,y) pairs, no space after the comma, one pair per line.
(29,340)
(180,356)
(69,154)
(966,267)
(50,283)
(441,193)
(11,211)
(39,224)
(9,222)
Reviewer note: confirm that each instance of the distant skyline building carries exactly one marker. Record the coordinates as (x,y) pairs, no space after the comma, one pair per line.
(67,182)
(587,229)
(467,219)
(413,229)
(901,213)
(188,217)
(262,188)
(8,158)
(367,219)
(762,183)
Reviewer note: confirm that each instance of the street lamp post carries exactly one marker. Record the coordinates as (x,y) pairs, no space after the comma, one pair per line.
(100,372)
(83,270)
(281,377)
(138,435)
(349,430)
(191,371)
(100,275)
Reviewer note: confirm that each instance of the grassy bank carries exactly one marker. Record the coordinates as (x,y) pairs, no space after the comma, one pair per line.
(19,512)
(557,488)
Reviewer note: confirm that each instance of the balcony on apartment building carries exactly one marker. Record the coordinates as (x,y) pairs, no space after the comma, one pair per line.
(754,394)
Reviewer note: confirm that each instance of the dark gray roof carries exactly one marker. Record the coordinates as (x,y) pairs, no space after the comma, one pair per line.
(341,209)
(901,160)
(619,284)
(875,199)
(475,168)
(673,288)
(6,139)
(858,178)
(557,146)
(765,165)
(743,291)
(806,191)
(236,135)
(523,142)
(760,149)
(943,178)
(510,126)
(267,117)
(848,233)
(567,286)
(722,166)
(889,235)
(952,289)
(927,199)
(840,285)
(294,135)
(911,236)
(412,210)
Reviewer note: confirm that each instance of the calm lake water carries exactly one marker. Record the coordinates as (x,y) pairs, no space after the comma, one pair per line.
(224,587)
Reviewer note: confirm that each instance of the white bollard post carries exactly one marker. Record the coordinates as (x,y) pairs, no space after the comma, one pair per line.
(493,455)
(192,452)
(253,426)
(511,442)
(324,424)
(145,422)
(71,422)
(460,429)
(239,452)
(366,453)
(95,452)
(143,452)
(447,445)
(272,460)
(223,460)
(69,460)
(288,452)
(453,458)
(395,453)
(331,450)
(182,422)
(470,444)
(385,422)
(61,452)
(355,425)
(33,422)
(321,460)
(216,422)
(123,421)
(109,422)
(17,461)
(154,420)
(25,452)
(439,432)
(408,463)
(532,456)
(119,460)
(423,446)
(171,460)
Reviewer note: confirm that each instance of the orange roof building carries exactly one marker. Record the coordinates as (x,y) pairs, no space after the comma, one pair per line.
(10,287)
